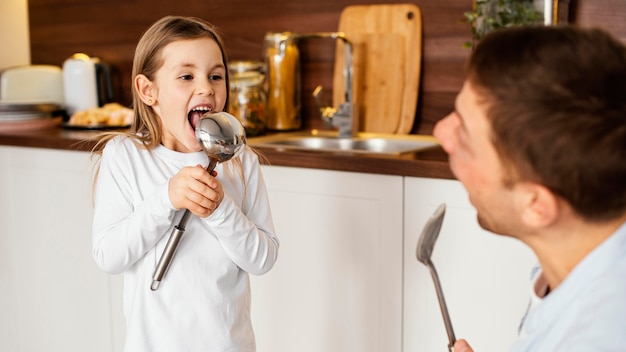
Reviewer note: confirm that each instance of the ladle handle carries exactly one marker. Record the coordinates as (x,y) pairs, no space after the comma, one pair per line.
(443,306)
(168,254)
(173,241)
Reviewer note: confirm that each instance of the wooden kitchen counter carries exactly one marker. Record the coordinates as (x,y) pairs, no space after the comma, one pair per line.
(431,163)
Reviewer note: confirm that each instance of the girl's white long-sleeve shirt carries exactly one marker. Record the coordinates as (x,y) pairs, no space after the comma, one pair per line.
(203,303)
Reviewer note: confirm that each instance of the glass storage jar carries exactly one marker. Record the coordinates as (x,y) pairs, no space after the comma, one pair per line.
(248,101)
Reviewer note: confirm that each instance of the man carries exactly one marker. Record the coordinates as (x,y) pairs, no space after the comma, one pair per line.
(538,139)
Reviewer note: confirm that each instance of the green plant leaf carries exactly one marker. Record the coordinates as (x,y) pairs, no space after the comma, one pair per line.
(489,15)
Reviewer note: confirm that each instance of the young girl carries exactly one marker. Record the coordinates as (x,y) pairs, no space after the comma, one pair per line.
(147,175)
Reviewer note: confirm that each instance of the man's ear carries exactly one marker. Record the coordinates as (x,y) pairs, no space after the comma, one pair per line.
(144,88)
(539,205)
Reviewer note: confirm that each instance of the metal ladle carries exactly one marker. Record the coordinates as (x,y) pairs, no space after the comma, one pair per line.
(424,251)
(222,137)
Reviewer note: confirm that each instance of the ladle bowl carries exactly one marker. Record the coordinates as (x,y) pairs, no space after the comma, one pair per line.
(222,137)
(424,251)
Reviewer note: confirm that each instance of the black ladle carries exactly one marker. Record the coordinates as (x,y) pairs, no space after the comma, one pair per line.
(222,137)
(424,251)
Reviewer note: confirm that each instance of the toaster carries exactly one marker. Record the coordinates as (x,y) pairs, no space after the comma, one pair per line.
(32,84)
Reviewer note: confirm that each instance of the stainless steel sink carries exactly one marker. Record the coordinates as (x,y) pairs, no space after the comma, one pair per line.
(328,141)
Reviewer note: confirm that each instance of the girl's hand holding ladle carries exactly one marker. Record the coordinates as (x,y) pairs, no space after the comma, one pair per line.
(196,189)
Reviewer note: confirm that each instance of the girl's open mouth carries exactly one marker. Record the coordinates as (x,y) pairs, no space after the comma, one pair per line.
(196,113)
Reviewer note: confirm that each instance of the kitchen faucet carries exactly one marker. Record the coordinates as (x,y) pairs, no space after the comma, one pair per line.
(344,118)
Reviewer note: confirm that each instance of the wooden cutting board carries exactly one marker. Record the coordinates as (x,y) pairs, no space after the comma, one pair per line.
(387,49)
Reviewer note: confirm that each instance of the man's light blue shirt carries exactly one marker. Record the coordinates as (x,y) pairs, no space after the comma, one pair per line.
(587,311)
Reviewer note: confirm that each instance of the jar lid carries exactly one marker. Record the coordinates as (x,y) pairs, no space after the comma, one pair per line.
(246,79)
(239,66)
(274,38)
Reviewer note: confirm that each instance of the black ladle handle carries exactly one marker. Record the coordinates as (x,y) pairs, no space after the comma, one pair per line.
(173,241)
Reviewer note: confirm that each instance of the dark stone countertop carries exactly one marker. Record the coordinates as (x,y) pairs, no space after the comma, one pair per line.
(431,162)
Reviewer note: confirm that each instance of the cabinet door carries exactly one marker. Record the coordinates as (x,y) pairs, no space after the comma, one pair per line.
(485,277)
(337,284)
(54,297)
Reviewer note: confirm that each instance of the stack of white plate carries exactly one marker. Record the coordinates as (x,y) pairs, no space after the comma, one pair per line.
(18,116)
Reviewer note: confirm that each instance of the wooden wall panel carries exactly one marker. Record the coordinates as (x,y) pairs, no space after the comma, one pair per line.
(110,29)
(608,14)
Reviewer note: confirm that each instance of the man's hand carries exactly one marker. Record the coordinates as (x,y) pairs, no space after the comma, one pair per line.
(462,346)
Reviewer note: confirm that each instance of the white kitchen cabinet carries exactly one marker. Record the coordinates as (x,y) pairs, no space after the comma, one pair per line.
(485,277)
(337,284)
(54,297)
(346,277)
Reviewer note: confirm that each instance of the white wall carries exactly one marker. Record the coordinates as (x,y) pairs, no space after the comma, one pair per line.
(14,34)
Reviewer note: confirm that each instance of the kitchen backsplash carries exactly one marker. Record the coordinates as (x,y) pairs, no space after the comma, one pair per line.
(110,29)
